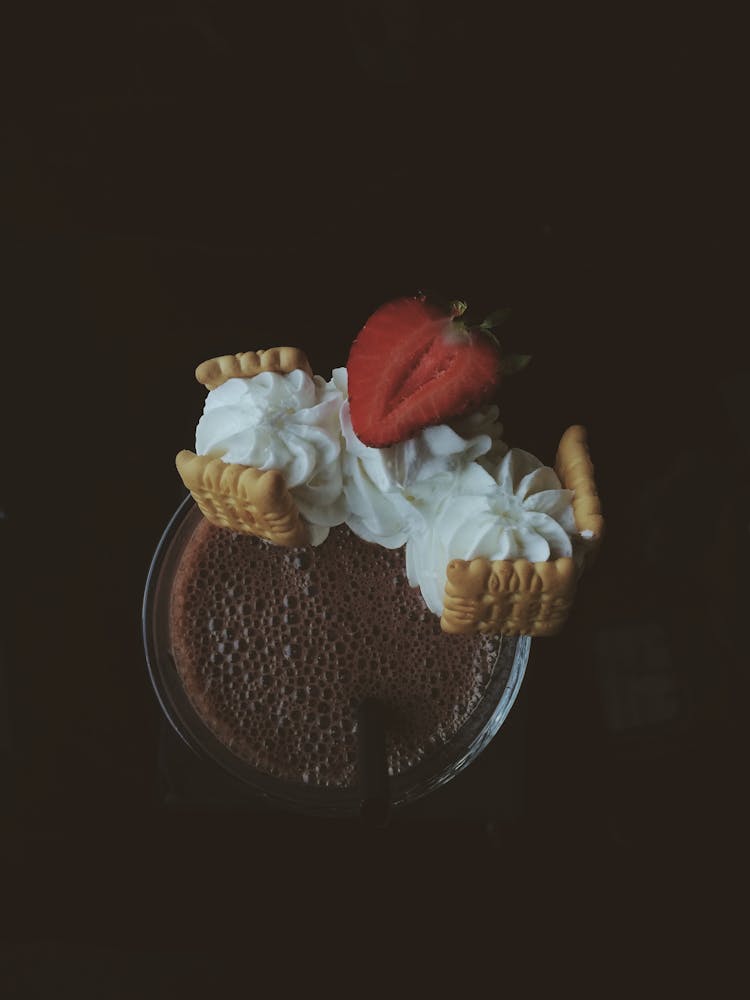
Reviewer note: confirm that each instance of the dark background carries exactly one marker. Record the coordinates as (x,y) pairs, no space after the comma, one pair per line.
(184,179)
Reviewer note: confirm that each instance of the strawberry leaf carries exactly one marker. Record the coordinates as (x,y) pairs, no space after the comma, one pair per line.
(515,363)
(495,319)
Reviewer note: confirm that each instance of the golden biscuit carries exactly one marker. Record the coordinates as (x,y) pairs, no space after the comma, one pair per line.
(519,597)
(239,497)
(243,499)
(217,371)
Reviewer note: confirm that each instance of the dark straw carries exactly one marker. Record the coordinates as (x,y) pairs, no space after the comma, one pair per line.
(375,802)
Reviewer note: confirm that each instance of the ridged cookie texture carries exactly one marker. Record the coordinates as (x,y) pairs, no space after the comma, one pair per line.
(243,499)
(239,497)
(217,371)
(519,597)
(508,597)
(575,471)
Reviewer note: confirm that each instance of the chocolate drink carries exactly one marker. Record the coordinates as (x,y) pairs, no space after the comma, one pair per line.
(277,647)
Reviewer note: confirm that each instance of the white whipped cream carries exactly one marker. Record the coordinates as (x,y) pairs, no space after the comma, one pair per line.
(454,491)
(391,492)
(288,422)
(517,511)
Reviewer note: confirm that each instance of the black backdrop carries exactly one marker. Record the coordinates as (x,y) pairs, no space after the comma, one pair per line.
(186,179)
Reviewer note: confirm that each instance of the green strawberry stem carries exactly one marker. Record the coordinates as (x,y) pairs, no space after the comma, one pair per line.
(511,363)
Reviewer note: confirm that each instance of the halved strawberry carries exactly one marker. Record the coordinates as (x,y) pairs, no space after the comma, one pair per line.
(415,364)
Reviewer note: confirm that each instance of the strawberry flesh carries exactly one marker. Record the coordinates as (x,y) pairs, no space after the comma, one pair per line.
(413,365)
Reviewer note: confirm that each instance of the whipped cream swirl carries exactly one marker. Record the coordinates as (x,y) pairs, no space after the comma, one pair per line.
(453,491)
(519,510)
(391,492)
(288,422)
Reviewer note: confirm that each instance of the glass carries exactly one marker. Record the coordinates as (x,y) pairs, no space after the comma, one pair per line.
(439,767)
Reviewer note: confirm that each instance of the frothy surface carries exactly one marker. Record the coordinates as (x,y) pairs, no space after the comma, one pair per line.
(277,647)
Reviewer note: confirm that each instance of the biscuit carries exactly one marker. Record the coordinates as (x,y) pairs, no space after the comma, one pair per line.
(519,597)
(217,371)
(576,472)
(508,597)
(244,499)
(239,497)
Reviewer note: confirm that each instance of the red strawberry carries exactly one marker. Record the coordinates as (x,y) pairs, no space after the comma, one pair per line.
(415,364)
